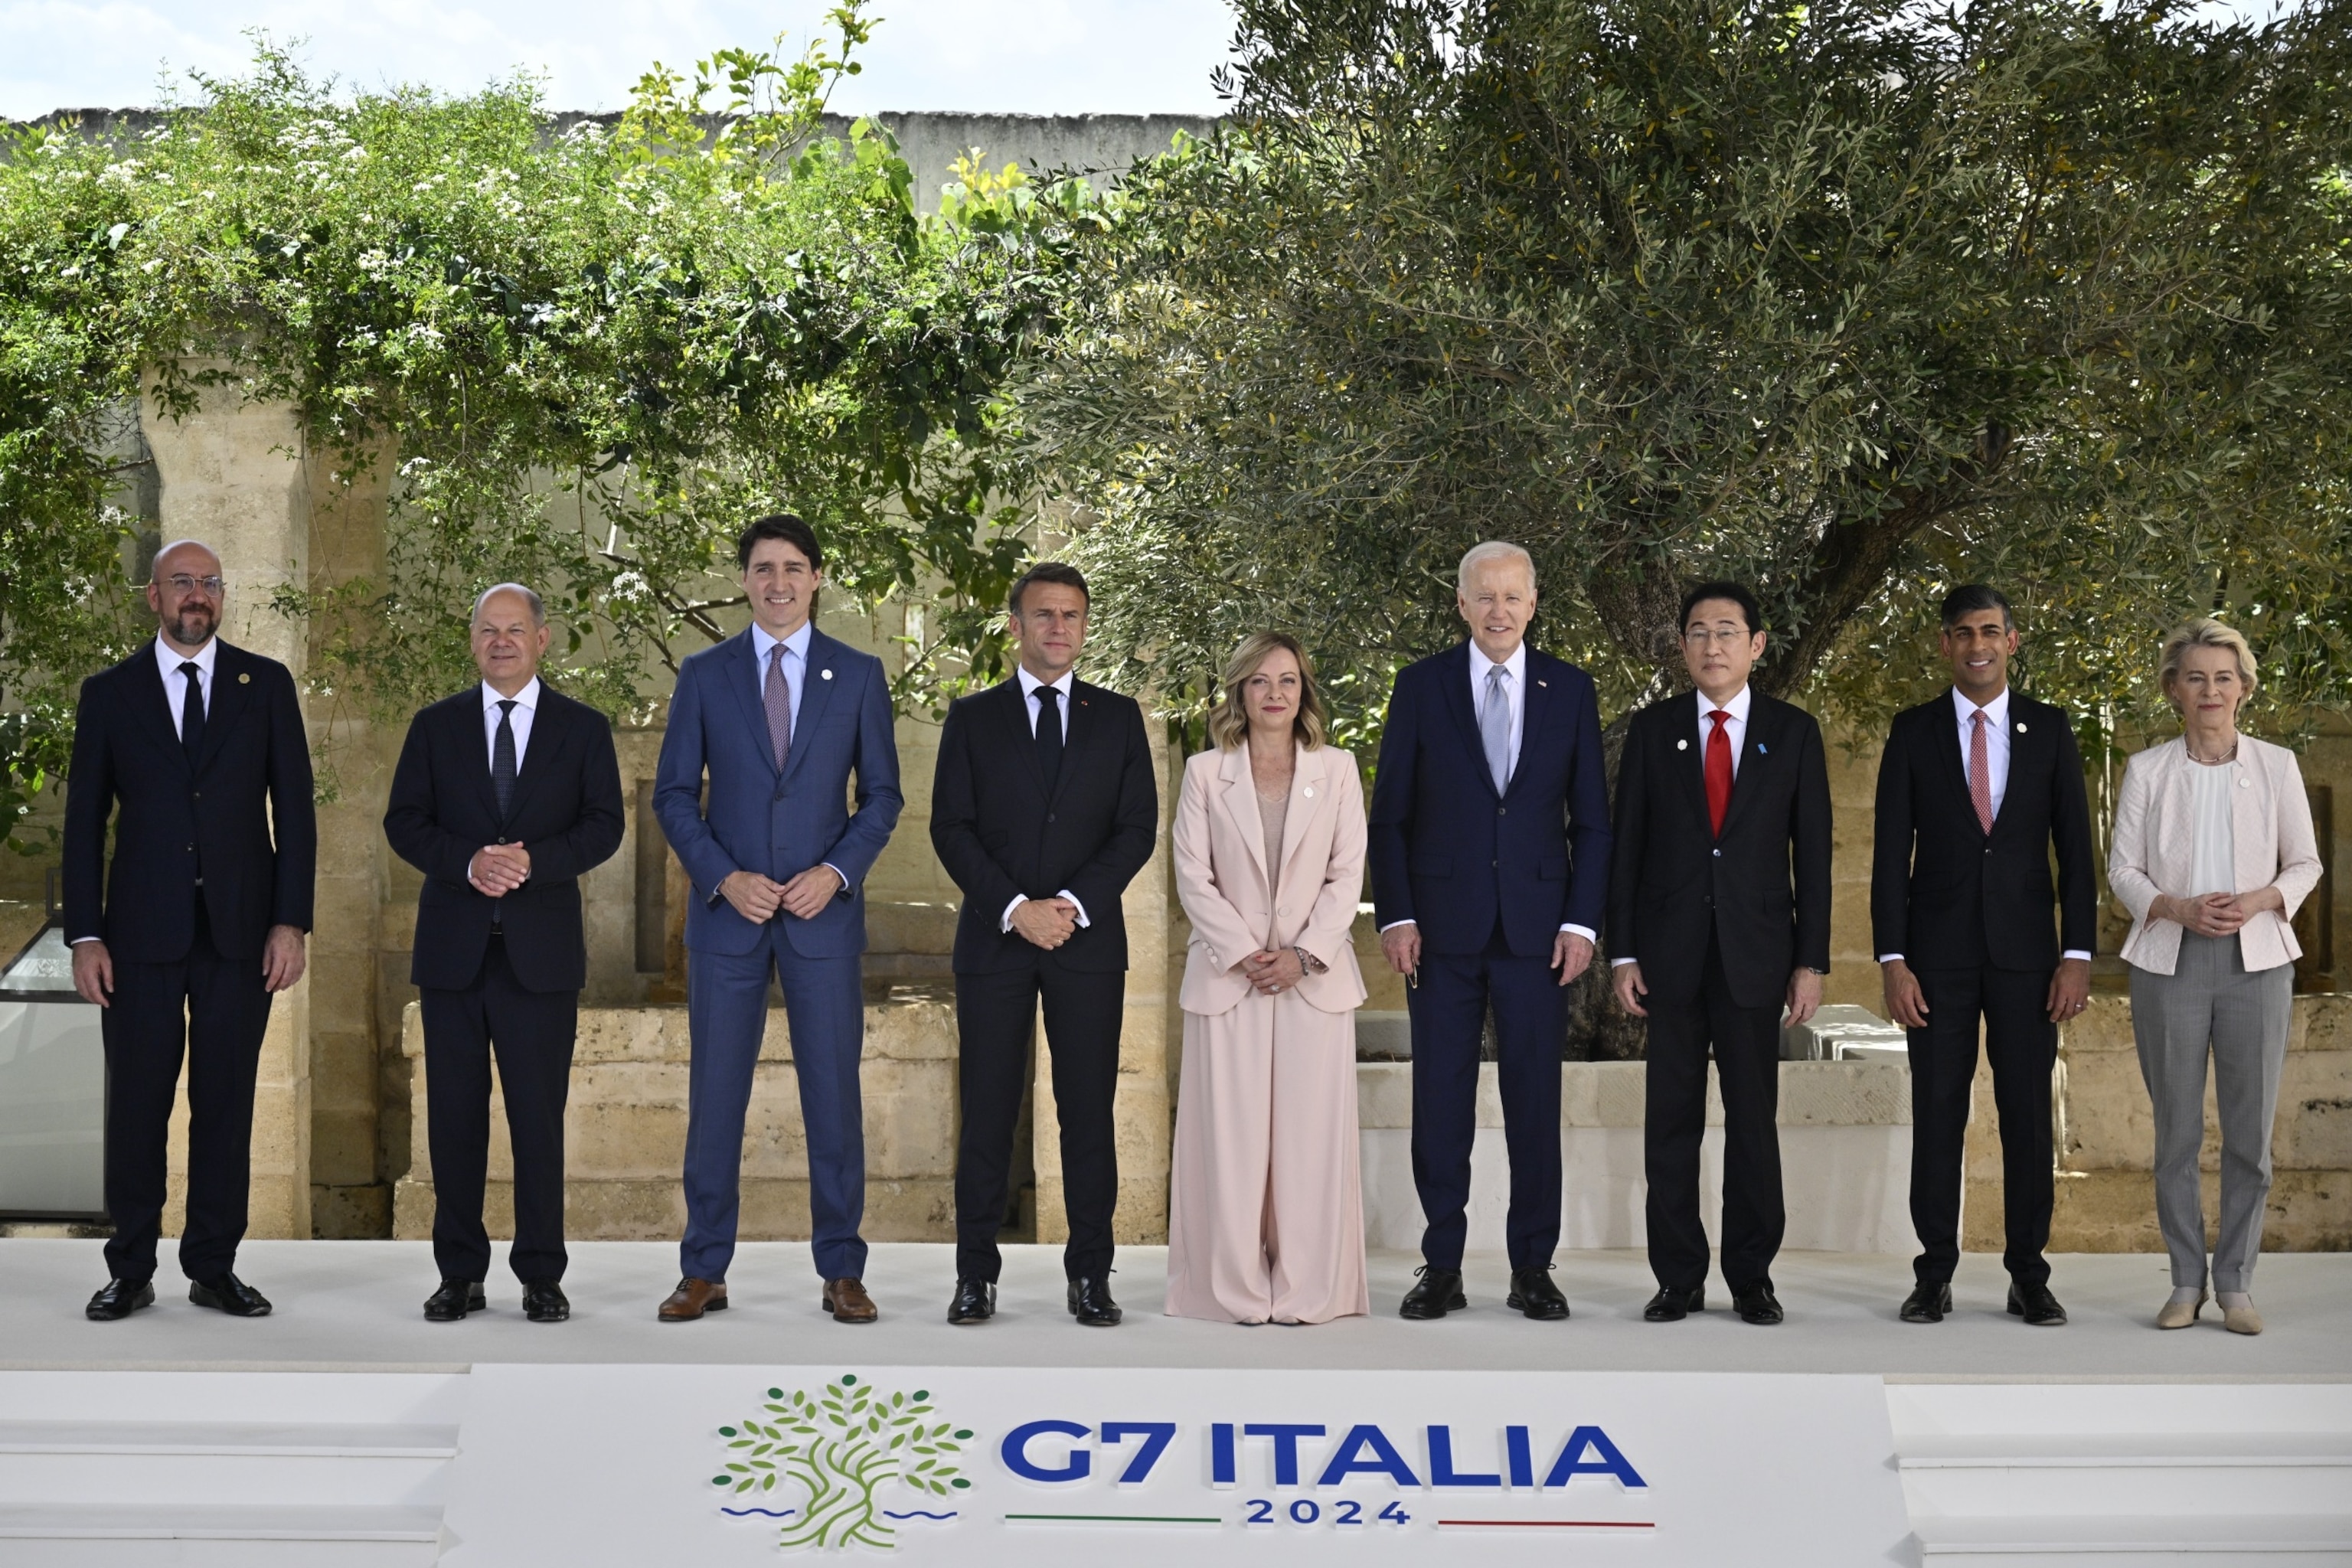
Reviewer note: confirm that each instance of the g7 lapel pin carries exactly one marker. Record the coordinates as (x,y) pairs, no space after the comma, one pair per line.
(826,673)
(243,679)
(1682,745)
(2020,727)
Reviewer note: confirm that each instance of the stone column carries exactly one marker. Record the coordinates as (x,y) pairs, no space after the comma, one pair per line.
(1143,1114)
(233,476)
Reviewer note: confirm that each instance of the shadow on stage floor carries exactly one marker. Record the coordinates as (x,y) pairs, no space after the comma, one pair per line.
(355,1304)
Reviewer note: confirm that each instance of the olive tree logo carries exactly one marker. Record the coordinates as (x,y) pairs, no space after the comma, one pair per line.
(842,1447)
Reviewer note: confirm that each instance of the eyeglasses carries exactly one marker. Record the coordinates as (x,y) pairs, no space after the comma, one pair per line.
(182,583)
(1725,636)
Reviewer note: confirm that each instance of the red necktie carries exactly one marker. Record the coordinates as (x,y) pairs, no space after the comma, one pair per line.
(1979,772)
(1718,771)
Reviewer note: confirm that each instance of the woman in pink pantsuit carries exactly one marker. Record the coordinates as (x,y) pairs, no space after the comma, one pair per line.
(1266,1218)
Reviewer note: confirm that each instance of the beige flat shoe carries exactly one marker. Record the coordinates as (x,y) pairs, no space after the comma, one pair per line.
(2179,1314)
(2241,1319)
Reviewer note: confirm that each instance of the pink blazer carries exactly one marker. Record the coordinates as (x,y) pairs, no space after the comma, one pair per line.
(1220,877)
(2154,847)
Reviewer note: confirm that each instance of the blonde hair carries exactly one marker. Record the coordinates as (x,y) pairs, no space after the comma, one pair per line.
(1229,720)
(2202,631)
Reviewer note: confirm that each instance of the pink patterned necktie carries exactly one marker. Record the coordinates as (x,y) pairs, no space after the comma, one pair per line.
(1979,772)
(779,700)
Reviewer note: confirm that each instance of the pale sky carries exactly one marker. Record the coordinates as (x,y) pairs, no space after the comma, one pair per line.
(1037,56)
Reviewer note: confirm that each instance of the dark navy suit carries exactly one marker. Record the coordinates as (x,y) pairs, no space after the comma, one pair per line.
(778,825)
(1490,879)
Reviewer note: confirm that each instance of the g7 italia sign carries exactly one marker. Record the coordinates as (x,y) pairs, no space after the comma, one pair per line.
(591,1464)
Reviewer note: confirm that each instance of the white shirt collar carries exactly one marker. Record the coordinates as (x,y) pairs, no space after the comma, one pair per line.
(1737,706)
(797,644)
(1030,683)
(527,698)
(1996,711)
(1517,664)
(204,657)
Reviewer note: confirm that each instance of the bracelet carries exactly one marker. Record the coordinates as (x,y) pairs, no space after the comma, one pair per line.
(1307,962)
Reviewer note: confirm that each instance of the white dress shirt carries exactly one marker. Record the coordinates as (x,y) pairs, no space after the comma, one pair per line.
(526,705)
(1515,693)
(796,648)
(175,684)
(1735,735)
(1996,734)
(1029,686)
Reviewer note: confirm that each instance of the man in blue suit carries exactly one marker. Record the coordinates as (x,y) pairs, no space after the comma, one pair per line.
(779,719)
(1490,866)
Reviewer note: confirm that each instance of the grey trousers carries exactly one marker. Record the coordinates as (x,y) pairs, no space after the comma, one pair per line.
(2209,1002)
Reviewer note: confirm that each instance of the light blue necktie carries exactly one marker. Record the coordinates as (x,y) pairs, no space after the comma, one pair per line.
(1495,728)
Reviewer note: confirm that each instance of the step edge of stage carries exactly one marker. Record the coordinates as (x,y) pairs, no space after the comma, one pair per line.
(222,1521)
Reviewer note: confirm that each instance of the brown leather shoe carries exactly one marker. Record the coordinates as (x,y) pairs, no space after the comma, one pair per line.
(848,1301)
(692,1299)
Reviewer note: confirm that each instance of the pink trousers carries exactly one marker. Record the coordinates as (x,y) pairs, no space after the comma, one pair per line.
(1266,1209)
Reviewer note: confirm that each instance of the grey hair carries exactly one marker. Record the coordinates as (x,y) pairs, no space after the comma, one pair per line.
(1492,550)
(538,609)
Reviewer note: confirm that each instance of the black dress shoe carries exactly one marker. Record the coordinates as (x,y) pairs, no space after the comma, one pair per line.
(1671,1306)
(1756,1306)
(229,1294)
(117,1299)
(975,1301)
(453,1299)
(543,1302)
(1927,1304)
(1090,1302)
(2036,1305)
(1437,1292)
(1533,1293)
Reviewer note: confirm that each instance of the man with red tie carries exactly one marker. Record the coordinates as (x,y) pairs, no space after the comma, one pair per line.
(1719,915)
(1977,792)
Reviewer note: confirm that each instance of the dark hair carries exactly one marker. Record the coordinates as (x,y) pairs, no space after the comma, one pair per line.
(1970,597)
(781,525)
(1738,593)
(1059,571)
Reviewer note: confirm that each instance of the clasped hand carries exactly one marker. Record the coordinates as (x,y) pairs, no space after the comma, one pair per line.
(757,898)
(2215,914)
(497,870)
(1045,922)
(1272,970)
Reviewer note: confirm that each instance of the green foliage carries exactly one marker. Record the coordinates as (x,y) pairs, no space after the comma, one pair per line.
(841,1447)
(1851,301)
(591,355)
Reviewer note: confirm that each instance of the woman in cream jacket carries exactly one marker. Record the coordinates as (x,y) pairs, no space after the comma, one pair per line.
(2214,851)
(1266,1208)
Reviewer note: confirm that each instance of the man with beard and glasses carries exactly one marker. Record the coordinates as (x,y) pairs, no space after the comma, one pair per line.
(196,751)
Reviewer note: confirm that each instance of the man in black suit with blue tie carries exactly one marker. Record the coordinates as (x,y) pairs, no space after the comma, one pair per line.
(196,751)
(506,794)
(1489,852)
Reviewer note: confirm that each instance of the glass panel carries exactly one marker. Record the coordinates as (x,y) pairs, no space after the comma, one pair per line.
(52,1109)
(46,964)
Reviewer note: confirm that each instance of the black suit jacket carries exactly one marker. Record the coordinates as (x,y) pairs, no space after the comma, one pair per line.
(1762,889)
(565,810)
(1001,838)
(179,821)
(1946,895)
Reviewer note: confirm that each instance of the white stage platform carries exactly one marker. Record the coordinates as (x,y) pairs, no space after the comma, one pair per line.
(344,1430)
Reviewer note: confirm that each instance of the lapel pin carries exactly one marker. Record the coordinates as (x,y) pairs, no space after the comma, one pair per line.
(1545,684)
(826,673)
(1682,745)
(2021,729)
(1308,792)
(243,680)
(1762,750)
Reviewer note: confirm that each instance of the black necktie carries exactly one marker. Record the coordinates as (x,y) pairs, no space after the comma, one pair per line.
(1049,736)
(192,710)
(502,757)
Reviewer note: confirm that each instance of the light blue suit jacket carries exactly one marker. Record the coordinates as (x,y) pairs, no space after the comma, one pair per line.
(778,825)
